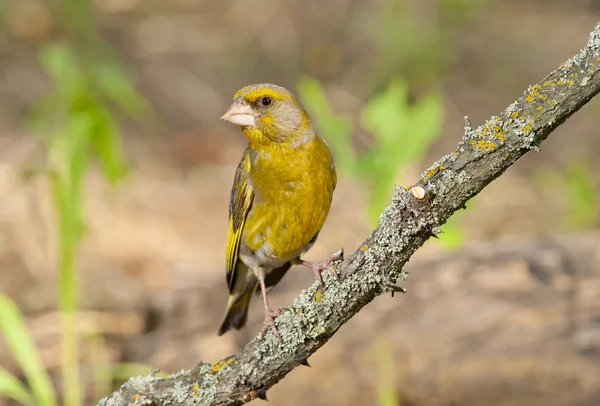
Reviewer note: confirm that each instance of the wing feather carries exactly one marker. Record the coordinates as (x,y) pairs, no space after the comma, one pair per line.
(240,202)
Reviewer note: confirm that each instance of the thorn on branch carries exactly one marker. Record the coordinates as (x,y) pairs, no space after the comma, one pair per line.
(468,126)
(263,396)
(395,289)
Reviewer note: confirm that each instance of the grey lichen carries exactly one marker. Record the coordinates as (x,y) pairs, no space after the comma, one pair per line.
(182,392)
(592,48)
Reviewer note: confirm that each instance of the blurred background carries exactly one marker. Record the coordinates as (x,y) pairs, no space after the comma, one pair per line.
(115,174)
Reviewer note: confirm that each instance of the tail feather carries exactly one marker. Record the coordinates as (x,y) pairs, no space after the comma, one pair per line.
(237,310)
(242,290)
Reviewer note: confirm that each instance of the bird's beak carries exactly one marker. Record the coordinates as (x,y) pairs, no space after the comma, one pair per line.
(240,114)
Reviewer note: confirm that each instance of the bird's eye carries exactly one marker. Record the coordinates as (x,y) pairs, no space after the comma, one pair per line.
(265,101)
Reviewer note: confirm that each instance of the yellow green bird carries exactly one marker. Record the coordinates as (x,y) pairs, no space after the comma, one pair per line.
(280,198)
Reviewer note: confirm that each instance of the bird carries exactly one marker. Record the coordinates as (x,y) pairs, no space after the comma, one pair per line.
(281,195)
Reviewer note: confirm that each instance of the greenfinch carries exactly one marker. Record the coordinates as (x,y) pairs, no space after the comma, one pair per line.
(281,195)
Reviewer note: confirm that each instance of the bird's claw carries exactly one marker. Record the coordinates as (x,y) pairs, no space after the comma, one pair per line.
(326,265)
(270,316)
(319,267)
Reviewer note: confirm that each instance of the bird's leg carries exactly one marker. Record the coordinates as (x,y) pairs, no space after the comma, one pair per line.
(319,267)
(270,314)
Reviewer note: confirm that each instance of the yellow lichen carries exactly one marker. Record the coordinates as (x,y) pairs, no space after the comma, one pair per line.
(222,364)
(429,174)
(527,128)
(196,389)
(535,90)
(319,296)
(515,115)
(136,397)
(499,133)
(365,247)
(483,145)
(442,167)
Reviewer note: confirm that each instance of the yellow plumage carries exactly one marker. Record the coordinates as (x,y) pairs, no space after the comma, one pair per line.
(280,198)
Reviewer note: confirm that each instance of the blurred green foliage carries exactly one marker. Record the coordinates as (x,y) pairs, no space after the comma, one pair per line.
(402,131)
(386,390)
(417,46)
(409,54)
(78,123)
(453,237)
(39,391)
(576,184)
(584,204)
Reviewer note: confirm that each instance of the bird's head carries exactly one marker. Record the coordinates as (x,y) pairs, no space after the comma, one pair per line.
(269,114)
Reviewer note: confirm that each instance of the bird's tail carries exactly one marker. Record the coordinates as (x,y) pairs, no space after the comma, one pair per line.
(239,300)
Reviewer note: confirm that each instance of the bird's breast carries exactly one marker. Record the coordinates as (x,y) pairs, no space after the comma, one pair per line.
(292,201)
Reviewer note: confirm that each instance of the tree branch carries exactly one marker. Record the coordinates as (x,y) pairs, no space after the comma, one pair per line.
(414,215)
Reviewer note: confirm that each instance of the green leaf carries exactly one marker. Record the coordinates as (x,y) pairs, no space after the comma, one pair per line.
(25,352)
(385,115)
(107,144)
(426,119)
(75,148)
(115,86)
(79,131)
(336,129)
(60,63)
(403,131)
(14,389)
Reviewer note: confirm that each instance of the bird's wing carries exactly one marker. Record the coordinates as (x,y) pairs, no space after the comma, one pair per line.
(240,202)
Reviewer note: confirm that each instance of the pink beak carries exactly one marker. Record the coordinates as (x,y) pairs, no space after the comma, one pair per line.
(240,114)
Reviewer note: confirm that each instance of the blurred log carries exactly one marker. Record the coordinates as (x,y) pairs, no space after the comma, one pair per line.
(512,323)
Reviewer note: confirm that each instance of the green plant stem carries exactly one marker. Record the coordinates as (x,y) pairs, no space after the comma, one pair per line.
(68,312)
(68,296)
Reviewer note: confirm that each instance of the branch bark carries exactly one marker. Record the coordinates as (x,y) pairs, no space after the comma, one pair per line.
(413,216)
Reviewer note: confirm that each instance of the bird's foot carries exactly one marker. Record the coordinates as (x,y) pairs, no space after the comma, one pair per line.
(326,265)
(270,316)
